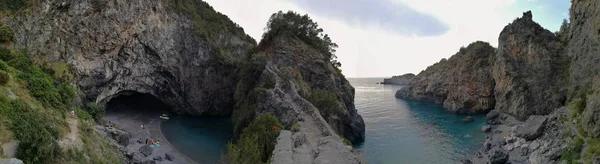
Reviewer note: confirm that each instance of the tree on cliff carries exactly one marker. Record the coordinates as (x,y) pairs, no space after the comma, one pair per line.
(292,24)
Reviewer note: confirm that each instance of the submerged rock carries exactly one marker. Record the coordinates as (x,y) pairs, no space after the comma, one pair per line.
(468,119)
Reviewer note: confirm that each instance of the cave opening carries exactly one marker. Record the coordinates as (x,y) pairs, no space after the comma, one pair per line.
(189,138)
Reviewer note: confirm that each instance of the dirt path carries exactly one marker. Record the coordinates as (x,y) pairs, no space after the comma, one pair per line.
(10,148)
(71,140)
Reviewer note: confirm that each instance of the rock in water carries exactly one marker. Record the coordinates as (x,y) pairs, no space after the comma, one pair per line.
(498,156)
(399,80)
(463,83)
(532,128)
(486,128)
(468,119)
(146,150)
(528,69)
(169,157)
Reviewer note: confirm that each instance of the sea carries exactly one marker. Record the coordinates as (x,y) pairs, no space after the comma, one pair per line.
(397,131)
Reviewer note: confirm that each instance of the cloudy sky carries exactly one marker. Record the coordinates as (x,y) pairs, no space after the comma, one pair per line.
(380,38)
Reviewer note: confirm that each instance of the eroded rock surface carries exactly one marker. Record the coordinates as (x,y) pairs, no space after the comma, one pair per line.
(399,80)
(118,46)
(462,83)
(530,70)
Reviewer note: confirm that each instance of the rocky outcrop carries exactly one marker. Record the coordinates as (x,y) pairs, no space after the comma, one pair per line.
(118,47)
(462,83)
(293,80)
(529,70)
(399,80)
(506,142)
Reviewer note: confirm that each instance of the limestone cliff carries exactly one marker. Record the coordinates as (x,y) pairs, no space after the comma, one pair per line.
(399,80)
(529,70)
(116,47)
(462,83)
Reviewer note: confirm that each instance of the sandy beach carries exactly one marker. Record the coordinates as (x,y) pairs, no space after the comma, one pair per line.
(131,121)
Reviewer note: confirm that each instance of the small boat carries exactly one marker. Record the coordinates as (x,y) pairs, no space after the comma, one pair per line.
(164,117)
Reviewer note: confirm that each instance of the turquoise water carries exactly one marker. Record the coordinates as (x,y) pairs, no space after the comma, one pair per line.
(400,131)
(201,139)
(397,131)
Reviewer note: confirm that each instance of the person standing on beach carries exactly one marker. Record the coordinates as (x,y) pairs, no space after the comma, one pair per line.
(142,126)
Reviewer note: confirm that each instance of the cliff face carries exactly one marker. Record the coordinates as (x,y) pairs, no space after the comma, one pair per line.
(583,48)
(399,80)
(462,83)
(529,70)
(303,89)
(116,47)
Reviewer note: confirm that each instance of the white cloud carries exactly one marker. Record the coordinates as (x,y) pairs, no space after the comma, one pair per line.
(369,51)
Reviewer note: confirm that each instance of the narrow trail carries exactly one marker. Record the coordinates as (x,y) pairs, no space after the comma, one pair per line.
(72,139)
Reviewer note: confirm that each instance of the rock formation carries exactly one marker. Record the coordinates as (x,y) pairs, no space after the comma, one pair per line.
(116,47)
(529,70)
(399,80)
(194,60)
(462,83)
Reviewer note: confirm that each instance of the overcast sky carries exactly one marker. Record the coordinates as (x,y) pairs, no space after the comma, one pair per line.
(381,38)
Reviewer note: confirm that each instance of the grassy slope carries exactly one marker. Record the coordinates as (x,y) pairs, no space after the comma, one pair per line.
(34,102)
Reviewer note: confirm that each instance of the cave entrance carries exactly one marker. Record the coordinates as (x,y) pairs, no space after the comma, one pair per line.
(129,110)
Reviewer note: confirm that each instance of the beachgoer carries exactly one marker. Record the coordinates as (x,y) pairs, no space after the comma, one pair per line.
(72,113)
(142,126)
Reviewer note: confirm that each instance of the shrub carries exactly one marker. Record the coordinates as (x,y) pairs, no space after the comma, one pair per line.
(4,78)
(36,131)
(6,34)
(12,5)
(573,151)
(323,99)
(295,127)
(256,143)
(294,25)
(96,111)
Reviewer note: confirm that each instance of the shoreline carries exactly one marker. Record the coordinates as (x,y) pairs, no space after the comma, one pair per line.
(188,159)
(130,121)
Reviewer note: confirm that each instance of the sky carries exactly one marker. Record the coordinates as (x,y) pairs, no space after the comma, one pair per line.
(382,38)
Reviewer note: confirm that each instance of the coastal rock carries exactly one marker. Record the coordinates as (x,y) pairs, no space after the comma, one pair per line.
(529,69)
(121,47)
(498,156)
(169,157)
(122,137)
(462,83)
(532,128)
(399,80)
(468,119)
(492,117)
(146,150)
(157,158)
(486,128)
(10,161)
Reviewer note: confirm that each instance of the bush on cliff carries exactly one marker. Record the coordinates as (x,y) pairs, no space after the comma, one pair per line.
(12,5)
(4,78)
(256,143)
(294,25)
(323,99)
(6,34)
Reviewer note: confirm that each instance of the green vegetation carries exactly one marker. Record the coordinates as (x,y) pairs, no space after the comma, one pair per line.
(247,90)
(593,150)
(96,112)
(323,99)
(13,5)
(6,33)
(4,78)
(35,114)
(295,127)
(256,143)
(346,141)
(578,105)
(294,25)
(573,151)
(210,24)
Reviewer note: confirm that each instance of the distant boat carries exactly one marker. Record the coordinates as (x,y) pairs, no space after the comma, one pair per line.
(164,117)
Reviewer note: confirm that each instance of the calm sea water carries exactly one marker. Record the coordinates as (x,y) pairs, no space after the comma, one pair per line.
(397,131)
(202,139)
(400,131)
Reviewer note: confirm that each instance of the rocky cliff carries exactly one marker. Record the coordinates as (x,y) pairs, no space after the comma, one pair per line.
(462,83)
(399,80)
(116,47)
(530,70)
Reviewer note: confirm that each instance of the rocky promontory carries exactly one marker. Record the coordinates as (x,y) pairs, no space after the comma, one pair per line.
(463,83)
(399,80)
